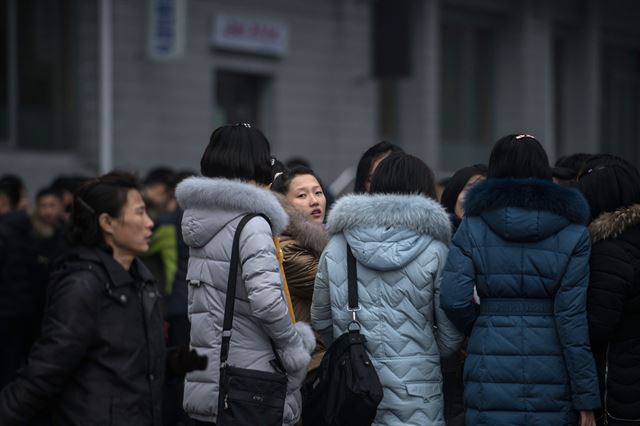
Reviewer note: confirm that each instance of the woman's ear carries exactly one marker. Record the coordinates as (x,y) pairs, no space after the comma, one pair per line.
(106,223)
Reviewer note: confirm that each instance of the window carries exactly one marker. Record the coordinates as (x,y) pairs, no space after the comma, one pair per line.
(239,98)
(621,101)
(467,57)
(41,69)
(4,72)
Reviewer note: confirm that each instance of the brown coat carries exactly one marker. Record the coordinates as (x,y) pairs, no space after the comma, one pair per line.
(302,243)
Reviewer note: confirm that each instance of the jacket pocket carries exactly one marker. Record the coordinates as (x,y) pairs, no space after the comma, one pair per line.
(428,391)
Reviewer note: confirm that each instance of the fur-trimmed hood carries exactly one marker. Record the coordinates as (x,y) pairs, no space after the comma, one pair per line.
(526,209)
(613,224)
(210,203)
(388,231)
(309,234)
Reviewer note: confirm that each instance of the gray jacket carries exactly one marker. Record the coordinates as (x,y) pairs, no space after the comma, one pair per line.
(213,209)
(400,244)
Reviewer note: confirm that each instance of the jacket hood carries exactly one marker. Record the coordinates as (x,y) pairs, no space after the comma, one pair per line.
(526,209)
(309,234)
(613,224)
(211,203)
(387,231)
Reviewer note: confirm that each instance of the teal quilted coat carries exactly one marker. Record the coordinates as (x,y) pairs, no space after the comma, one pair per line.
(524,246)
(400,244)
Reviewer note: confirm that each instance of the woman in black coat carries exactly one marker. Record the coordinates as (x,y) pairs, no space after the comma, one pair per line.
(101,358)
(612,187)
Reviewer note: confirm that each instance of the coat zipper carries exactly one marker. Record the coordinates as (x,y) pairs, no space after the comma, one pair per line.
(146,336)
(606,385)
(606,394)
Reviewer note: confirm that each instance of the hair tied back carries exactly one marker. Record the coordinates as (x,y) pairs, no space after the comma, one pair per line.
(85,205)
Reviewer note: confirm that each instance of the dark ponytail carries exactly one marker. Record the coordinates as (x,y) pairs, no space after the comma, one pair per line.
(104,194)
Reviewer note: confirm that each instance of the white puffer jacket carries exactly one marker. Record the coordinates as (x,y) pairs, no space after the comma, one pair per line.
(213,208)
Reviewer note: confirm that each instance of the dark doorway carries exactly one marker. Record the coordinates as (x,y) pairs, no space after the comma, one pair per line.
(239,97)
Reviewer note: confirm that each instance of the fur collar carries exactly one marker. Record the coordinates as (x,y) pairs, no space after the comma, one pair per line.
(309,234)
(530,194)
(209,193)
(612,224)
(416,212)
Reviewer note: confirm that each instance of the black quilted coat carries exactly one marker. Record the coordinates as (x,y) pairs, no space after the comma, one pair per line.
(614,313)
(100,359)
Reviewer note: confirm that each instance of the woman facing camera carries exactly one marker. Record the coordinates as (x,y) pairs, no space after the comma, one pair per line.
(100,359)
(398,235)
(524,245)
(303,240)
(236,169)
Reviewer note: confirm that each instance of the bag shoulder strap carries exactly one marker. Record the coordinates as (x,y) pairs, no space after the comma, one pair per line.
(352,290)
(229,305)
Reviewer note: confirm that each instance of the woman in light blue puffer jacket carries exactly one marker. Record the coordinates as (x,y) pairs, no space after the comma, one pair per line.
(398,235)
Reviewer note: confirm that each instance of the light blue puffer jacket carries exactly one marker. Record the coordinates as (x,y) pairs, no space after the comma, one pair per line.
(400,244)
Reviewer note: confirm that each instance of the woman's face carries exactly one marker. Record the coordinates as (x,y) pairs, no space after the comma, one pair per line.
(306,195)
(129,233)
(459,210)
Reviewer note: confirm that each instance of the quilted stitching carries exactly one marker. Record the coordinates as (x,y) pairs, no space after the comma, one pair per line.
(397,317)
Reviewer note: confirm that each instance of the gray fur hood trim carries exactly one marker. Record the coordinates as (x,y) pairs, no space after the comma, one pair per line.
(415,212)
(613,224)
(309,234)
(209,193)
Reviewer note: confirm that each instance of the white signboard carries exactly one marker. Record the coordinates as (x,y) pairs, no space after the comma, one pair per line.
(250,35)
(166,29)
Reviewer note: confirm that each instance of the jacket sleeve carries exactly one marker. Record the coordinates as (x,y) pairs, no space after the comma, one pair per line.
(321,304)
(448,337)
(67,332)
(611,279)
(571,323)
(458,281)
(263,283)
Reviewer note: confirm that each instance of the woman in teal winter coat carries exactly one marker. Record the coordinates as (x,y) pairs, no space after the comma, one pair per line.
(398,235)
(523,244)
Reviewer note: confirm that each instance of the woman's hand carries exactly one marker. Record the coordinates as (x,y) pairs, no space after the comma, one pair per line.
(587,418)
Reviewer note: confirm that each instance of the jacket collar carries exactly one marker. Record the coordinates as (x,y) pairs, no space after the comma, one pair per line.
(415,212)
(17,220)
(613,224)
(529,194)
(209,193)
(116,274)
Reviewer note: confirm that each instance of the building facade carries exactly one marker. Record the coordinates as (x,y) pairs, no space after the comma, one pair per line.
(90,85)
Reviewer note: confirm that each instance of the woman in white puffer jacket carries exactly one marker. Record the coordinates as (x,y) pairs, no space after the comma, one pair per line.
(235,163)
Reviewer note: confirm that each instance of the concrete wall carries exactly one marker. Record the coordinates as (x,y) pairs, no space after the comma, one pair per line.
(320,96)
(321,101)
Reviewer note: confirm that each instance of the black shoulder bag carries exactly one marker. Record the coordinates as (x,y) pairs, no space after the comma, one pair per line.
(347,389)
(247,397)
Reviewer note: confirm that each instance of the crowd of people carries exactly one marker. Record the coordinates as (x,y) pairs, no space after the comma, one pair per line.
(507,294)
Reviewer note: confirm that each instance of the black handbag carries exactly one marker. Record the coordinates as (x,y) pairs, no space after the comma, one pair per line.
(247,397)
(347,390)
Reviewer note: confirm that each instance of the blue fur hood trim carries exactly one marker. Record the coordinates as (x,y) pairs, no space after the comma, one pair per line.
(415,212)
(529,194)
